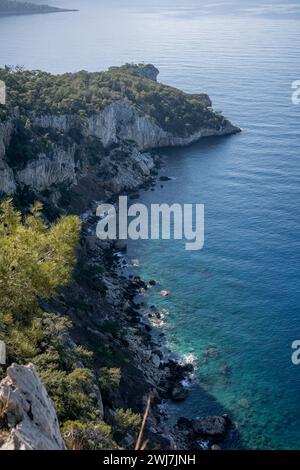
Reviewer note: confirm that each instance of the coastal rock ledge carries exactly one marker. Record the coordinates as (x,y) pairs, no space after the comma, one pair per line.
(28,413)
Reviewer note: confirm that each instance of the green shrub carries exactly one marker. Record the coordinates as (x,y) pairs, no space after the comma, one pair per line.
(127,421)
(109,379)
(35,261)
(84,355)
(74,394)
(79,436)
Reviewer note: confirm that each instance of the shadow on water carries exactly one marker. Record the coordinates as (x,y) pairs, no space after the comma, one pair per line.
(204,144)
(204,402)
(199,399)
(233,439)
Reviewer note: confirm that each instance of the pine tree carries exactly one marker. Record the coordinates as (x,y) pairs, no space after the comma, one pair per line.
(35,261)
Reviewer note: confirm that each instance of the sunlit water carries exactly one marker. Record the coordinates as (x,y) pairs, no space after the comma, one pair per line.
(239,296)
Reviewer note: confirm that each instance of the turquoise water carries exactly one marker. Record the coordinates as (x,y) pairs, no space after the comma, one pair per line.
(239,296)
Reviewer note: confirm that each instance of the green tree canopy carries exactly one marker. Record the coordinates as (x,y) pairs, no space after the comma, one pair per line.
(34,260)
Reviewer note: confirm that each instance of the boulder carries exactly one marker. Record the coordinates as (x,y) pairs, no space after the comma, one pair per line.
(211,426)
(179,392)
(147,71)
(215,447)
(120,245)
(156,360)
(30,415)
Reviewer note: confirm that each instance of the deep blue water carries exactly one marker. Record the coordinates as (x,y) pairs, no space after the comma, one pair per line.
(239,296)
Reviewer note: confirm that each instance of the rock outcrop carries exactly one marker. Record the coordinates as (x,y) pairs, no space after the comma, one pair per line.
(211,429)
(55,169)
(148,71)
(211,426)
(29,413)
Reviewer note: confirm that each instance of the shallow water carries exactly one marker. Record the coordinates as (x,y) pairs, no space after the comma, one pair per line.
(238,298)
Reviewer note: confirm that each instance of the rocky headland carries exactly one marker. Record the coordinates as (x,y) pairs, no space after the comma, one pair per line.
(13,7)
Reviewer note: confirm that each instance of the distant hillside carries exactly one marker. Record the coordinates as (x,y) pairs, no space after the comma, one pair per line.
(11,7)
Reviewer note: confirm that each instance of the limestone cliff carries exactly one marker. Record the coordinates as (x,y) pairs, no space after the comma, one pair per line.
(7,178)
(29,413)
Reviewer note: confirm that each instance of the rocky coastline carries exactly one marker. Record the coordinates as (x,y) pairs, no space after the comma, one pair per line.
(166,376)
(150,369)
(114,155)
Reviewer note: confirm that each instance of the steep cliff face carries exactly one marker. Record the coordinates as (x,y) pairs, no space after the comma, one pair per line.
(48,170)
(7,179)
(122,121)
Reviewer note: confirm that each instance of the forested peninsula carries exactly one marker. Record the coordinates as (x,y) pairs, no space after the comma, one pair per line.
(12,7)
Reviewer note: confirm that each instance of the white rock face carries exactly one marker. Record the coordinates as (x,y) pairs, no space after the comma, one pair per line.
(7,181)
(30,412)
(59,122)
(122,121)
(2,353)
(47,170)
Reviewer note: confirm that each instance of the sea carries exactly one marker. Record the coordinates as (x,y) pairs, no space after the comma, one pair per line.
(234,305)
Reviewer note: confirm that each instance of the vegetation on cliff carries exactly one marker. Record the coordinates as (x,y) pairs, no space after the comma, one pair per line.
(85,93)
(36,261)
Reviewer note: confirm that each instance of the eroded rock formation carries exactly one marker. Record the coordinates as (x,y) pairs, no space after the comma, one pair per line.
(28,412)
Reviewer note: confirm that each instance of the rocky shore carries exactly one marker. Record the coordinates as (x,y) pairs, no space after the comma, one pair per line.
(157,371)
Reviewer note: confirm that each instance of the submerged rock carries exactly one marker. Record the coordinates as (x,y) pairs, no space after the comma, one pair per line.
(179,392)
(165,178)
(120,245)
(211,426)
(212,429)
(165,293)
(30,415)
